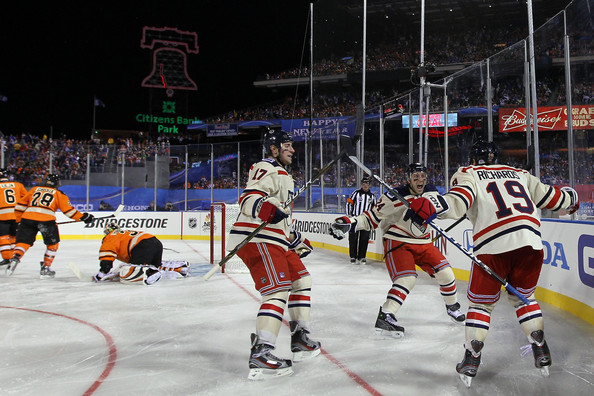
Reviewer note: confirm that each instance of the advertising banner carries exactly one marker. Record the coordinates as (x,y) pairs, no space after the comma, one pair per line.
(229,129)
(550,118)
(329,127)
(435,120)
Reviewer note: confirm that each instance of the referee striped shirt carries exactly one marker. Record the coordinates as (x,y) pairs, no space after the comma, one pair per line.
(359,202)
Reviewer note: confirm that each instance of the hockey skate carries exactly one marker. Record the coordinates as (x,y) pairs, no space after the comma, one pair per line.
(353,261)
(12,265)
(468,367)
(385,324)
(455,314)
(152,275)
(363,261)
(46,272)
(302,347)
(4,262)
(263,364)
(173,269)
(540,350)
(184,270)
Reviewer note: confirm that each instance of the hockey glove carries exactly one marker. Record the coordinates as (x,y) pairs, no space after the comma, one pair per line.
(296,240)
(421,211)
(100,277)
(304,248)
(342,225)
(87,218)
(575,199)
(270,210)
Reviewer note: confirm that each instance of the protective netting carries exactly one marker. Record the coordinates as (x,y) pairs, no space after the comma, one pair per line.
(223,216)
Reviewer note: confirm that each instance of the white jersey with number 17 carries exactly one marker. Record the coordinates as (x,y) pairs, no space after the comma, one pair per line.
(266,178)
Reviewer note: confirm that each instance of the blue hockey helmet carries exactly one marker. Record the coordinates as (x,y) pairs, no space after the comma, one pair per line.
(276,138)
(483,153)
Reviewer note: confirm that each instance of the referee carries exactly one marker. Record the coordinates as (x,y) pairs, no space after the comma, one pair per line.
(360,201)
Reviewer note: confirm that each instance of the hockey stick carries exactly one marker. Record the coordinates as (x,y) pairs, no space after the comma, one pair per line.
(435,238)
(74,268)
(347,143)
(360,125)
(89,278)
(114,214)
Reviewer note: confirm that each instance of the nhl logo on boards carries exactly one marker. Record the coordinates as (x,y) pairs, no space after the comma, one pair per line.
(192,222)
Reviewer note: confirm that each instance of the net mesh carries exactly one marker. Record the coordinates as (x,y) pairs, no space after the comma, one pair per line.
(220,227)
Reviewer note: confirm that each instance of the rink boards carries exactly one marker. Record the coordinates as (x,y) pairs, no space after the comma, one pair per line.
(566,281)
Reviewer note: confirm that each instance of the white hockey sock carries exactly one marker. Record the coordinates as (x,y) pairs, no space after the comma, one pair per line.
(447,285)
(270,316)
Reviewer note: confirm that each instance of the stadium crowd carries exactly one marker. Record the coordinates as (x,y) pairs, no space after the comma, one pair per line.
(29,157)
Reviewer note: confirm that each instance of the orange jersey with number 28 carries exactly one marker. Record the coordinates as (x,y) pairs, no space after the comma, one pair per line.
(41,204)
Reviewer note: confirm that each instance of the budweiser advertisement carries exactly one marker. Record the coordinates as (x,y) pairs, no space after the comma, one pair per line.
(550,118)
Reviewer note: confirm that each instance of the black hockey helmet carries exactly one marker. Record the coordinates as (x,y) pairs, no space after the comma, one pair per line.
(110,227)
(276,138)
(366,179)
(52,180)
(481,153)
(415,167)
(3,174)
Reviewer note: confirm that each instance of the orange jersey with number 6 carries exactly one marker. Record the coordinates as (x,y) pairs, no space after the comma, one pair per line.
(41,204)
(10,193)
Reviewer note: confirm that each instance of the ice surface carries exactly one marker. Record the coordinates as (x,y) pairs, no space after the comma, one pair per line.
(63,336)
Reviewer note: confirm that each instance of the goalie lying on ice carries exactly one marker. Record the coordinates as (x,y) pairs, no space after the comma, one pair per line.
(141,254)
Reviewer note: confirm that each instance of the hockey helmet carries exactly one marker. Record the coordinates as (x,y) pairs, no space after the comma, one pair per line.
(366,179)
(3,174)
(276,138)
(414,168)
(110,227)
(52,180)
(483,153)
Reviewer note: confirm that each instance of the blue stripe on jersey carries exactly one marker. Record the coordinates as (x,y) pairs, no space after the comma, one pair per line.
(404,236)
(541,203)
(260,236)
(402,190)
(255,206)
(463,197)
(507,231)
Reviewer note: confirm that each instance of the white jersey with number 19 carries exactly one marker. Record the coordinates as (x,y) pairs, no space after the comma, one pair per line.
(502,202)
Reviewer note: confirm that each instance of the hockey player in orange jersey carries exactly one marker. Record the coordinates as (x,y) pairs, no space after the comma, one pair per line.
(36,212)
(141,254)
(10,193)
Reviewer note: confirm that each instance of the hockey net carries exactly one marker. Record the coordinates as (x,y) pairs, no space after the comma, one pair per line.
(222,217)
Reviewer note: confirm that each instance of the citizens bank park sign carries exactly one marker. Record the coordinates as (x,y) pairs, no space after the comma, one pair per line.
(553,118)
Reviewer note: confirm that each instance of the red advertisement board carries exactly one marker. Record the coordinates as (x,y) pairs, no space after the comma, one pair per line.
(550,118)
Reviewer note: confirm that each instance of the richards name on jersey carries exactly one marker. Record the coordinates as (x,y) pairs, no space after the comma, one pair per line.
(497,174)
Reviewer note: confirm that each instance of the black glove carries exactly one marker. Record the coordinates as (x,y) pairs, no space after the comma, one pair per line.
(87,218)
(341,226)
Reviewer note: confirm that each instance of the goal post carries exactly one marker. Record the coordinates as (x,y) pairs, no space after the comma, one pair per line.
(222,218)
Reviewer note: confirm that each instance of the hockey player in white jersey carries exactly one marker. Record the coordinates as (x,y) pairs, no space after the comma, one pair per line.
(404,247)
(501,202)
(273,257)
